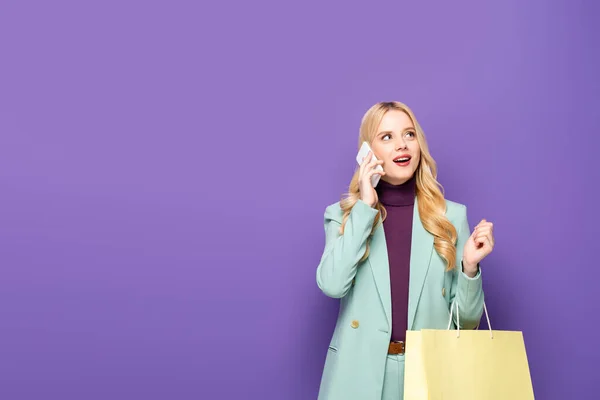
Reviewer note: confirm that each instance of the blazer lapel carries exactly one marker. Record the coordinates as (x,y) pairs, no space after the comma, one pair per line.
(379,262)
(420,258)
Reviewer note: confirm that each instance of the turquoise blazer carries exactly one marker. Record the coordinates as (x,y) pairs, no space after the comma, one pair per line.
(355,362)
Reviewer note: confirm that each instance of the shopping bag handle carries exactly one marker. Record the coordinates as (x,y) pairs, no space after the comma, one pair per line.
(458,319)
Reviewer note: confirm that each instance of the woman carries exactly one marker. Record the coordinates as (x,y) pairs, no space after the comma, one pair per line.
(398,256)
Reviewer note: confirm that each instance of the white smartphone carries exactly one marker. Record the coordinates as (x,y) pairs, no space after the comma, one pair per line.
(362,153)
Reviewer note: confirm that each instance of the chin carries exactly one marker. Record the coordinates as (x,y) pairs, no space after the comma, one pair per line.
(396,180)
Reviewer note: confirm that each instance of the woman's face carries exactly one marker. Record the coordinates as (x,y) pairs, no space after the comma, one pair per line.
(396,144)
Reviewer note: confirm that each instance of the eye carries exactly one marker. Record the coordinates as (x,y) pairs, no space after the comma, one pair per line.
(387,135)
(410,134)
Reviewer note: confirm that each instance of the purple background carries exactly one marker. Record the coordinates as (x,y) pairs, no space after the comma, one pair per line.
(165,167)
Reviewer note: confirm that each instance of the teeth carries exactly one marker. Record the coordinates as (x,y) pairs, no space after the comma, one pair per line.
(402,159)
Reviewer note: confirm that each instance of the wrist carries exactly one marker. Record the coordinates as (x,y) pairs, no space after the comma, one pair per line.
(470,269)
(371,203)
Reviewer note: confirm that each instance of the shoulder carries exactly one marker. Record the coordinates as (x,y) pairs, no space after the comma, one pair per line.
(333,212)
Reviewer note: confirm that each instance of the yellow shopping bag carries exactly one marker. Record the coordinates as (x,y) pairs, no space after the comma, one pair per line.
(466,365)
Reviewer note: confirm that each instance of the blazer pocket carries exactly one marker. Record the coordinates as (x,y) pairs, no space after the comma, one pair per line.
(333,349)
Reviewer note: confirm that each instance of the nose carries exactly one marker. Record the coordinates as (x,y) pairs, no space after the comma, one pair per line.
(401,144)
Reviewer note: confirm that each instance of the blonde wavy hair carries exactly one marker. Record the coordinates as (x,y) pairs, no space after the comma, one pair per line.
(429,192)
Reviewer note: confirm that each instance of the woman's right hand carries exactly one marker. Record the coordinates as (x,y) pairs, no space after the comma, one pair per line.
(366,171)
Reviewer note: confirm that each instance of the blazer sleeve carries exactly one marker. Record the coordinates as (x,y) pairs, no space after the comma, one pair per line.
(337,267)
(465,292)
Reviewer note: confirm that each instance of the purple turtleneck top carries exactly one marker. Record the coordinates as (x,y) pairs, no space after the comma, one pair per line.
(398,201)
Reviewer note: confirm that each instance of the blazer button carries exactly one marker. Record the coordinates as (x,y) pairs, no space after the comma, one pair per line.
(354,324)
(444,292)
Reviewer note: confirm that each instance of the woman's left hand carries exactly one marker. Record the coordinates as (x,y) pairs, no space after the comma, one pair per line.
(479,245)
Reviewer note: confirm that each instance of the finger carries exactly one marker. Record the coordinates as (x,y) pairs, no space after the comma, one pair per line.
(486,246)
(375,171)
(483,239)
(485,224)
(371,166)
(374,162)
(478,229)
(474,234)
(365,161)
(369,163)
(483,231)
(490,239)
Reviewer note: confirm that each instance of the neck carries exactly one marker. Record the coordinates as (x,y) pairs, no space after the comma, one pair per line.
(397,195)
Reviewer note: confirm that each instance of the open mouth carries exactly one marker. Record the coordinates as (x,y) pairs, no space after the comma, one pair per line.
(402,161)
